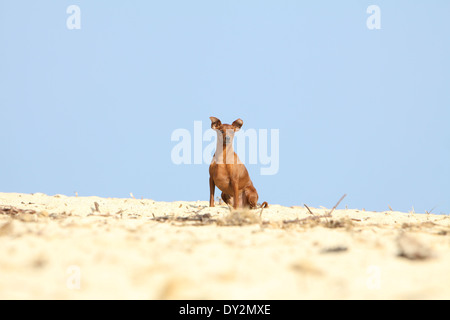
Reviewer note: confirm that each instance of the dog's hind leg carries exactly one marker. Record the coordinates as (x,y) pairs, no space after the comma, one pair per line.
(252,197)
(227,199)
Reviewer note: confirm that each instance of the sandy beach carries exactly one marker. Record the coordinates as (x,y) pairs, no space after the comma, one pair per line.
(68,247)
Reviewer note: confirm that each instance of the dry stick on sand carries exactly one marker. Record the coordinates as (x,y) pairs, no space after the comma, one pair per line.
(199,219)
(10,210)
(314,217)
(342,198)
(328,215)
(309,209)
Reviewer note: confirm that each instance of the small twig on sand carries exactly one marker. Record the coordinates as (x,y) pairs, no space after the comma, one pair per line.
(314,217)
(309,209)
(329,214)
(199,219)
(10,210)
(199,210)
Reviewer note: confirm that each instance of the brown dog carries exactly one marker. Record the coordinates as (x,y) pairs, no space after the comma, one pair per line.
(227,172)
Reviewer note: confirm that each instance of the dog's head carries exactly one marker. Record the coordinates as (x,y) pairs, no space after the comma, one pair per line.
(225,132)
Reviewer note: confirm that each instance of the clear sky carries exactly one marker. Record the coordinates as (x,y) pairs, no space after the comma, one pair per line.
(359,111)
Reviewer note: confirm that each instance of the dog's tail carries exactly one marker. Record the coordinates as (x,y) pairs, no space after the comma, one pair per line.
(264,205)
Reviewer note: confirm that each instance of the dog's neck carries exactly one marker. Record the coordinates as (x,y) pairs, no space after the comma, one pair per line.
(225,153)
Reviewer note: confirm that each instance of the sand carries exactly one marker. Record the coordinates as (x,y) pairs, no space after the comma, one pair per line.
(61,247)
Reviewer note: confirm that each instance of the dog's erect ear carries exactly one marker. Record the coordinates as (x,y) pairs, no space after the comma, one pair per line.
(215,123)
(237,124)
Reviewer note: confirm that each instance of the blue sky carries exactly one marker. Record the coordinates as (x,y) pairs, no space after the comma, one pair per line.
(362,112)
